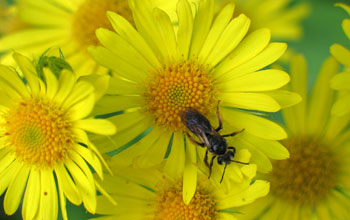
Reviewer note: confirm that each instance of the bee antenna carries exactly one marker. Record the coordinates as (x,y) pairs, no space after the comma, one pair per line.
(223,173)
(239,162)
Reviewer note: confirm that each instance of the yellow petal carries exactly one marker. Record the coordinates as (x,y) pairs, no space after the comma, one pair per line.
(229,39)
(122,49)
(263,80)
(48,198)
(67,185)
(285,98)
(121,67)
(91,158)
(80,91)
(190,173)
(344,6)
(28,71)
(258,189)
(341,81)
(14,80)
(8,174)
(62,203)
(346,27)
(15,190)
(116,103)
(66,83)
(184,33)
(254,125)
(51,83)
(99,82)
(128,32)
(97,126)
(219,25)
(342,107)
(319,108)
(251,101)
(119,86)
(202,23)
(341,54)
(250,47)
(156,152)
(175,163)
(82,108)
(32,195)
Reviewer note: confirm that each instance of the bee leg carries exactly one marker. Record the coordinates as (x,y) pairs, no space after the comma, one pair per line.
(233,134)
(194,141)
(219,117)
(211,165)
(206,158)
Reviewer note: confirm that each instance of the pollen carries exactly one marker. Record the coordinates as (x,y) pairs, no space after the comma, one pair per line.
(91,15)
(176,86)
(308,175)
(170,205)
(39,132)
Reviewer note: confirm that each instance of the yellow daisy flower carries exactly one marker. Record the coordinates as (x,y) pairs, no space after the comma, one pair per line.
(314,182)
(151,194)
(44,148)
(341,81)
(69,25)
(159,74)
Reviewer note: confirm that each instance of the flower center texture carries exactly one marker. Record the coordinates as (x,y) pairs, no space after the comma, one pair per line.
(39,132)
(170,205)
(308,175)
(91,15)
(176,86)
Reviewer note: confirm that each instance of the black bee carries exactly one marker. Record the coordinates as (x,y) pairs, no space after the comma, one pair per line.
(209,137)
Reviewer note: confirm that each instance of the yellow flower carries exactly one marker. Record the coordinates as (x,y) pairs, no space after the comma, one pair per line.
(44,148)
(152,194)
(314,182)
(341,81)
(69,25)
(159,74)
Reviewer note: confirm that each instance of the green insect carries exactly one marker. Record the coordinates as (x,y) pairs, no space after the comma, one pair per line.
(55,64)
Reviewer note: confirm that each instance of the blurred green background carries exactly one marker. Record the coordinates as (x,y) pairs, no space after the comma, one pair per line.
(322,28)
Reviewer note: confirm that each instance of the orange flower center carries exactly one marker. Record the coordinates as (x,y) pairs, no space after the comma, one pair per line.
(39,132)
(91,15)
(176,86)
(308,175)
(170,205)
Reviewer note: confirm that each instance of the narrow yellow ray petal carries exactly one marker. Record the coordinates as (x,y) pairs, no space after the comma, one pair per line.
(250,46)
(341,81)
(48,197)
(28,71)
(202,23)
(128,32)
(255,125)
(122,49)
(219,25)
(91,158)
(284,98)
(82,108)
(67,185)
(8,174)
(263,80)
(80,91)
(116,103)
(15,190)
(229,39)
(251,101)
(319,108)
(175,163)
(51,83)
(32,195)
(346,27)
(156,152)
(190,173)
(11,77)
(184,33)
(97,126)
(119,86)
(341,54)
(62,203)
(66,83)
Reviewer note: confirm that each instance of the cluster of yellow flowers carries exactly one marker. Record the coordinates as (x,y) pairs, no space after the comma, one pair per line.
(187,83)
